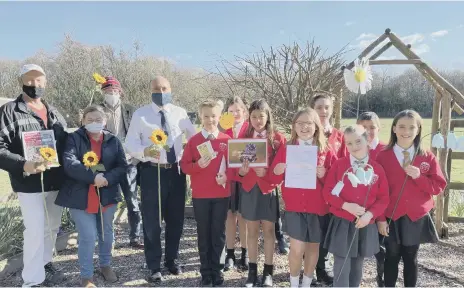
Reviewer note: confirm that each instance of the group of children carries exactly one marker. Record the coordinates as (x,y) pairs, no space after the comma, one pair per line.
(370,198)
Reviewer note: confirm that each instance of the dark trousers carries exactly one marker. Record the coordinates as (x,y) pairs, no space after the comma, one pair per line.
(173,191)
(394,253)
(129,190)
(380,258)
(279,234)
(323,252)
(210,215)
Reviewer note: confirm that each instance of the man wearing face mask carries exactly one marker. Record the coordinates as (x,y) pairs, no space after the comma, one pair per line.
(119,116)
(161,114)
(30,112)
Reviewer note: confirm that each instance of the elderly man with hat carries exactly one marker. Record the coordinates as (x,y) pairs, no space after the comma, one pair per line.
(41,217)
(119,116)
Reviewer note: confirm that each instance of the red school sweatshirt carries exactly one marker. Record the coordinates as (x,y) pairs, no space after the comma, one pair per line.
(303,200)
(377,200)
(374,152)
(337,143)
(242,132)
(203,180)
(416,200)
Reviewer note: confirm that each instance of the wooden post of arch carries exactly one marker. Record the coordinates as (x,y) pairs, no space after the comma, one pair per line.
(435,118)
(442,160)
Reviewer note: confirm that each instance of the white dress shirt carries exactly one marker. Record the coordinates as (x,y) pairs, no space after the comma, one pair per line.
(148,118)
(206,133)
(399,153)
(353,160)
(237,128)
(305,142)
(374,143)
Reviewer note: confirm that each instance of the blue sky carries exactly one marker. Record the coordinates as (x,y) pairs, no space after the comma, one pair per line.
(195,34)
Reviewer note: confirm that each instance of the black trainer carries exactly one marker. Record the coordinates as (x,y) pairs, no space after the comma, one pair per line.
(53,276)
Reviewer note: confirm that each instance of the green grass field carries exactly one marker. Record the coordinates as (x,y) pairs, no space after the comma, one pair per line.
(457,174)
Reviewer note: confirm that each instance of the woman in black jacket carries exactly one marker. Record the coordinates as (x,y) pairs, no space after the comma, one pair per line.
(93,195)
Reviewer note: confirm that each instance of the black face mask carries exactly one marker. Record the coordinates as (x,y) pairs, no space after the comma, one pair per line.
(33,92)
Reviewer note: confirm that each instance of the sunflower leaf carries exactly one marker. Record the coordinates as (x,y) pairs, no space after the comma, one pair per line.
(98,168)
(166,147)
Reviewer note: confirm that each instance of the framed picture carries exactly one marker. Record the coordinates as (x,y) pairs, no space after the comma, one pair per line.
(254,150)
(34,140)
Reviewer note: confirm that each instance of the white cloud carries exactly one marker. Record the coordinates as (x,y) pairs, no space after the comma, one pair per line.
(366,35)
(413,39)
(421,49)
(460,26)
(440,33)
(349,23)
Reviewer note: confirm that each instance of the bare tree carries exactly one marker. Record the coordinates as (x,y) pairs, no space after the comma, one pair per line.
(287,76)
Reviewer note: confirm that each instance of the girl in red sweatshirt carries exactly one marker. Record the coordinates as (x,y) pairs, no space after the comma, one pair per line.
(210,191)
(258,203)
(304,208)
(411,224)
(371,122)
(239,110)
(356,189)
(323,104)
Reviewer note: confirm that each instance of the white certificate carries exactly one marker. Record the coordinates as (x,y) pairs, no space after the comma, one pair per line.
(301,167)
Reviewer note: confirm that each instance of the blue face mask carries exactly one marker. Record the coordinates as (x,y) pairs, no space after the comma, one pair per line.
(161,99)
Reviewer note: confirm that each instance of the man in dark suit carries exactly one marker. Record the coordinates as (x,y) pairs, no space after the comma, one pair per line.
(119,117)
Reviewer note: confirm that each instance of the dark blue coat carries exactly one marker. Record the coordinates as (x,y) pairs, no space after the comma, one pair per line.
(74,192)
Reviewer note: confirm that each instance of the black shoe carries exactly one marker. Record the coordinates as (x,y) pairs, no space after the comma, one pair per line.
(252,280)
(136,244)
(155,276)
(267,275)
(380,282)
(218,279)
(323,277)
(243,263)
(53,276)
(173,267)
(206,281)
(230,263)
(283,246)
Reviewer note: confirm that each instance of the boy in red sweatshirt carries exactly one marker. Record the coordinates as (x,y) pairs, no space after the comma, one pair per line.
(210,191)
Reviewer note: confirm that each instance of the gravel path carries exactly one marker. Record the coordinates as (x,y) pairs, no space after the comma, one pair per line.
(440,265)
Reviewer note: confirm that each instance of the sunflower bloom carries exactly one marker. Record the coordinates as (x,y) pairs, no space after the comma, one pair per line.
(98,78)
(48,154)
(90,159)
(158,137)
(227,120)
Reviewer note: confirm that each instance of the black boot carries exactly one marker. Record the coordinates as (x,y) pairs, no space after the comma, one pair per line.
(380,271)
(324,277)
(230,260)
(267,275)
(252,280)
(243,262)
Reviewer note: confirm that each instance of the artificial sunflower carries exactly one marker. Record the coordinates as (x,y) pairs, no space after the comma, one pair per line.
(90,159)
(98,78)
(227,121)
(48,154)
(158,137)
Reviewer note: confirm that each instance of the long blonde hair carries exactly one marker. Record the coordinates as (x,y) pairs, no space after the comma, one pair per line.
(318,137)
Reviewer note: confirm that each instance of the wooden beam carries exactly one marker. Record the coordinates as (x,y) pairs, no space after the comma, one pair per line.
(457,123)
(456,186)
(435,118)
(381,51)
(457,155)
(369,48)
(446,190)
(411,55)
(458,108)
(456,219)
(443,158)
(338,109)
(395,62)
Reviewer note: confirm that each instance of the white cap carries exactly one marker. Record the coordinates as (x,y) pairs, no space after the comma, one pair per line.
(31,67)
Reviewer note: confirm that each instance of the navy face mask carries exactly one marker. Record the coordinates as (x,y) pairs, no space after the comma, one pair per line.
(33,92)
(161,99)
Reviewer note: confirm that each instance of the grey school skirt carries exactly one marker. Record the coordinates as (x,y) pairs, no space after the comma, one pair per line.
(406,232)
(306,227)
(340,234)
(255,206)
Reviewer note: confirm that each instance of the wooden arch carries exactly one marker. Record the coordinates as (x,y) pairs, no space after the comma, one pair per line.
(447,98)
